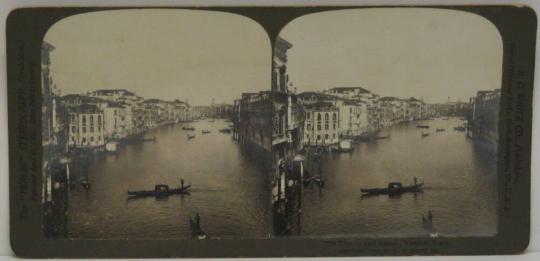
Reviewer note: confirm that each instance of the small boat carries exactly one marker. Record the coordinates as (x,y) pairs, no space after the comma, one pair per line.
(190,136)
(205,131)
(459,128)
(84,183)
(425,134)
(225,130)
(188,128)
(317,179)
(393,188)
(345,146)
(440,129)
(149,139)
(160,190)
(422,126)
(382,137)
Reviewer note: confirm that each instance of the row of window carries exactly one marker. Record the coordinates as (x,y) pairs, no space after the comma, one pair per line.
(83,119)
(84,139)
(83,129)
(326,136)
(326,126)
(326,116)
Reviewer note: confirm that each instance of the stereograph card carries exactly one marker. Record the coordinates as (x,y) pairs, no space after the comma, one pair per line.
(270,131)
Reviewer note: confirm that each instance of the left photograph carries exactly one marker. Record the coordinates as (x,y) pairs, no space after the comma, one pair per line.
(155,125)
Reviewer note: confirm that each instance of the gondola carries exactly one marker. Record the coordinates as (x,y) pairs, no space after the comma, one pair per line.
(422,126)
(205,131)
(160,191)
(225,130)
(188,128)
(393,188)
(425,134)
(439,130)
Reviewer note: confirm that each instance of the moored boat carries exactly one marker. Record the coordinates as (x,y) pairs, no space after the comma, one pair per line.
(382,137)
(188,128)
(205,131)
(440,129)
(459,128)
(345,146)
(422,126)
(225,130)
(425,134)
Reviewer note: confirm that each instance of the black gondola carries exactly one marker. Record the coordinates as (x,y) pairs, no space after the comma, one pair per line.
(225,130)
(394,188)
(188,128)
(440,129)
(160,190)
(422,126)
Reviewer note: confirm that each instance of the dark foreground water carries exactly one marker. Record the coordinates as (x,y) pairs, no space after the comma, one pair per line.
(460,187)
(229,190)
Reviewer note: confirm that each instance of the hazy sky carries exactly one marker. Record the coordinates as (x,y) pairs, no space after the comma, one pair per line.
(399,52)
(168,54)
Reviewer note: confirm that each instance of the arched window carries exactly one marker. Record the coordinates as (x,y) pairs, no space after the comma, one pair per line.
(326,136)
(326,116)
(318,117)
(91,119)
(334,116)
(83,119)
(318,137)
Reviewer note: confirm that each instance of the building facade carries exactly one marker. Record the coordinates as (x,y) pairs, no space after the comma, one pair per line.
(86,127)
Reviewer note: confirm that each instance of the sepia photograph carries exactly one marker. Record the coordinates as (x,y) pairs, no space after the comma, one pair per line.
(269,131)
(386,124)
(153,124)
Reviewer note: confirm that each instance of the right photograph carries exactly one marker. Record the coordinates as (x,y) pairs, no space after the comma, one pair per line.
(385,124)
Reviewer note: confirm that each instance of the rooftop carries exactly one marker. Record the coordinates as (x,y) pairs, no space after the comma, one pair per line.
(348,89)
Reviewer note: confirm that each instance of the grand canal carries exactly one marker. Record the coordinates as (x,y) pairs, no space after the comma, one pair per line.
(229,189)
(460,187)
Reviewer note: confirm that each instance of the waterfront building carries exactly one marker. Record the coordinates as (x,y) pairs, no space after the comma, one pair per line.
(353,117)
(181,111)
(483,119)
(417,109)
(255,129)
(321,125)
(54,143)
(394,110)
(86,127)
(118,120)
(287,132)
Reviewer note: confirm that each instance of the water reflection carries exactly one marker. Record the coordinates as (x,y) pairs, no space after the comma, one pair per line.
(460,187)
(229,191)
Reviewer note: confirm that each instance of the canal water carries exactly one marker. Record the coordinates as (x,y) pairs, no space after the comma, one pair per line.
(229,189)
(460,187)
